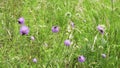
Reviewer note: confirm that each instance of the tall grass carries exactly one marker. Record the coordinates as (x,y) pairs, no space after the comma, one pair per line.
(17,51)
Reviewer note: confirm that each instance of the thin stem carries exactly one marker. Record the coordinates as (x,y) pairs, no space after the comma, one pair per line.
(55,50)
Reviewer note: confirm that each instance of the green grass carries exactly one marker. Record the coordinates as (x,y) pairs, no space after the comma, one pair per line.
(17,51)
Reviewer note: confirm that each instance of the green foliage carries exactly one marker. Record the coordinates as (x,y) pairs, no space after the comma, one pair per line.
(17,51)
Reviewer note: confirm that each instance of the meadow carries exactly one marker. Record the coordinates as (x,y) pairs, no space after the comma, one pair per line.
(61,34)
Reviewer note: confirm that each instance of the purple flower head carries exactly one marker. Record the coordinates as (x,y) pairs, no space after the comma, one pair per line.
(103,55)
(24,30)
(55,29)
(67,42)
(100,29)
(32,38)
(21,20)
(81,58)
(34,60)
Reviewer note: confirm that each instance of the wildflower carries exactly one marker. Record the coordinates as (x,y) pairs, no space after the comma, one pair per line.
(34,60)
(81,58)
(55,29)
(67,42)
(100,29)
(24,30)
(21,20)
(32,38)
(103,55)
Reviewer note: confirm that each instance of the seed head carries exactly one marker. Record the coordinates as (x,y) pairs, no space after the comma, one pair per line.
(34,60)
(103,55)
(72,24)
(32,38)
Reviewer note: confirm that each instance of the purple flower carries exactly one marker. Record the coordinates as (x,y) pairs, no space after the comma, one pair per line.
(32,38)
(21,20)
(100,29)
(34,60)
(67,42)
(81,58)
(103,55)
(24,30)
(55,29)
